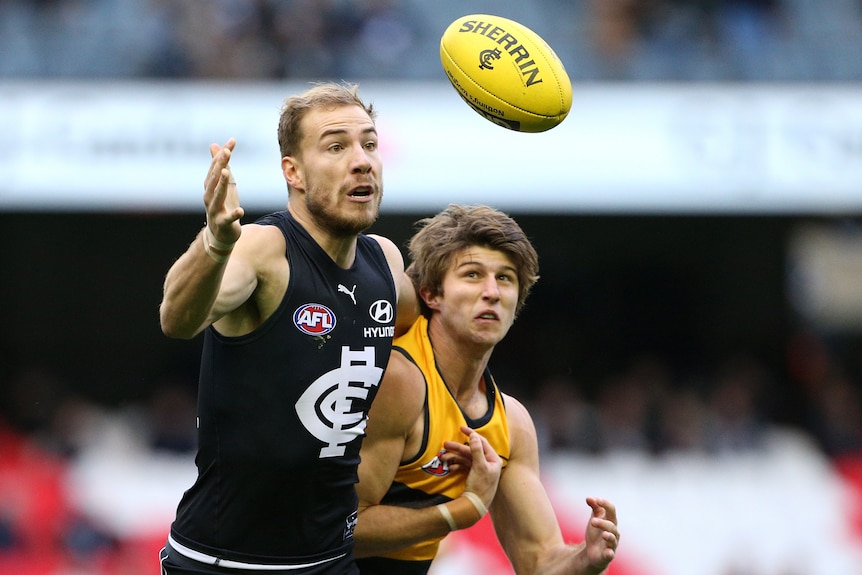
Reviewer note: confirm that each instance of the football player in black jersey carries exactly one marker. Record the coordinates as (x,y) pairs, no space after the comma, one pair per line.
(298,311)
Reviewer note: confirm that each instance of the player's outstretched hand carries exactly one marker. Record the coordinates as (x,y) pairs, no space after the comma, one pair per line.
(602,534)
(221,197)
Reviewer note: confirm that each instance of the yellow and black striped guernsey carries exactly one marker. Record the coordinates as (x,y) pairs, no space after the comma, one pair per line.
(425,480)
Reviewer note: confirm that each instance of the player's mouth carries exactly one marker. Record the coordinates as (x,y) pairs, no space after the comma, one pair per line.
(361,192)
(489,315)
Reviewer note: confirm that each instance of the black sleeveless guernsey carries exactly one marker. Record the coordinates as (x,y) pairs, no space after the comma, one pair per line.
(282,412)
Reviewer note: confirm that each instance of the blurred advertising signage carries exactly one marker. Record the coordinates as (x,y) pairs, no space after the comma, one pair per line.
(625,148)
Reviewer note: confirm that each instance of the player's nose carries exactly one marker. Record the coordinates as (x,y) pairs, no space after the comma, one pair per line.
(360,161)
(490,289)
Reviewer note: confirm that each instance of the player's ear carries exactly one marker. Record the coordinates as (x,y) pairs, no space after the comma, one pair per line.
(430,297)
(293,175)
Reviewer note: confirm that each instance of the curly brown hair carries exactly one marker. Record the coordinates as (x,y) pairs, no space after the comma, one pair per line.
(441,237)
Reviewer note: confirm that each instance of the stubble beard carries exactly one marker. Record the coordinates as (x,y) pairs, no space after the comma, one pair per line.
(328,217)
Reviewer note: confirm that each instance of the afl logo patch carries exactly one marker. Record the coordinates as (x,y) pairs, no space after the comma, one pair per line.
(314,319)
(437,466)
(381,311)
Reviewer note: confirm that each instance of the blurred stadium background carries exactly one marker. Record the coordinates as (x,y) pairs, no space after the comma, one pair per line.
(693,350)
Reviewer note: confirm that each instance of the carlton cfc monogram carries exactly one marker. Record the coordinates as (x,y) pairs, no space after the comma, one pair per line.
(326,407)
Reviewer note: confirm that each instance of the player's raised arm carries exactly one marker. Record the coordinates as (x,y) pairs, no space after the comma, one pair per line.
(194,282)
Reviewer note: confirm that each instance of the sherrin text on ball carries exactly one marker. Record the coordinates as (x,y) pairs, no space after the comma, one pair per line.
(506,72)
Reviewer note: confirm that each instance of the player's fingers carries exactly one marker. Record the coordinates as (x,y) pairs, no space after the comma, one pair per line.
(481,448)
(457,456)
(490,455)
(211,179)
(598,510)
(455,452)
(237,214)
(221,160)
(610,510)
(221,157)
(218,193)
(609,534)
(457,448)
(459,464)
(603,508)
(604,525)
(224,179)
(229,145)
(612,540)
(476,448)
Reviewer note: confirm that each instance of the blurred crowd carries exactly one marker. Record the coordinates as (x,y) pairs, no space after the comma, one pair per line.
(635,40)
(647,407)
(77,479)
(86,488)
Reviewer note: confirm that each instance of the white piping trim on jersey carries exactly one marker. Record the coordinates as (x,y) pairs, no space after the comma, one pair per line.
(218,562)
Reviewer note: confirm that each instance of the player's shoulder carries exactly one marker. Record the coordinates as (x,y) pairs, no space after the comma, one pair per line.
(260,232)
(402,368)
(400,399)
(384,242)
(403,382)
(263,248)
(390,250)
(515,407)
(261,241)
(519,418)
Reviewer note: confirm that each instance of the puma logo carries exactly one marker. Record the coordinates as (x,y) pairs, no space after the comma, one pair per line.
(343,289)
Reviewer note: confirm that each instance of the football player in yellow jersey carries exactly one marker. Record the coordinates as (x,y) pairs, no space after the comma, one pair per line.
(444,445)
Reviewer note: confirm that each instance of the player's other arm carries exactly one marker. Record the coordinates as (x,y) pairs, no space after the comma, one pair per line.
(396,417)
(397,407)
(525,521)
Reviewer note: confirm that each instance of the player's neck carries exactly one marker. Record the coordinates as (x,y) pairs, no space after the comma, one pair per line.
(467,386)
(341,249)
(461,367)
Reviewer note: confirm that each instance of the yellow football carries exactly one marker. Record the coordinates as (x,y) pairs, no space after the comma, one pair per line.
(506,72)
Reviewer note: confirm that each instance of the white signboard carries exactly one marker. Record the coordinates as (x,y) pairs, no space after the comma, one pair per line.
(625,148)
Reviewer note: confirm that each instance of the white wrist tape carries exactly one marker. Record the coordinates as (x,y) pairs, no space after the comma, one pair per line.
(219,251)
(447,515)
(477,502)
(214,243)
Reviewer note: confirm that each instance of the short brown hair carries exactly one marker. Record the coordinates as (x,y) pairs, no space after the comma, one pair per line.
(433,248)
(324,95)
